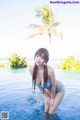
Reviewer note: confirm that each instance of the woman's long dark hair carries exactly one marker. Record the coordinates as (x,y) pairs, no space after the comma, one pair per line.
(43,53)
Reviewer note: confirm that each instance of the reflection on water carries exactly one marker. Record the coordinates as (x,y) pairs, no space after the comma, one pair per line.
(51,117)
(17,96)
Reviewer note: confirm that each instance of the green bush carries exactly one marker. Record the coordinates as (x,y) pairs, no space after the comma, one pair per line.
(17,62)
(1,65)
(71,63)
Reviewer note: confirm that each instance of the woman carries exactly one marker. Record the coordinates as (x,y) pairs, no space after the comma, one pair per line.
(44,78)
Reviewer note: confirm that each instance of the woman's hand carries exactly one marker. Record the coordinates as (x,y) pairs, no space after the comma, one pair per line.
(47,100)
(47,104)
(51,102)
(51,106)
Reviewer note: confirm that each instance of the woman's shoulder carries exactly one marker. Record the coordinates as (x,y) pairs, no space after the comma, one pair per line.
(51,72)
(31,69)
(50,69)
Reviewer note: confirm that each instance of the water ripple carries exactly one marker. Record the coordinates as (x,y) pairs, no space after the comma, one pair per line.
(18,97)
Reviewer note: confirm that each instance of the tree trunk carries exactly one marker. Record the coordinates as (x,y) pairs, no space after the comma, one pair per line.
(50,50)
(50,38)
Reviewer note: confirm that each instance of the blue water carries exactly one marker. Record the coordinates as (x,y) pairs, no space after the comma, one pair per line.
(18,98)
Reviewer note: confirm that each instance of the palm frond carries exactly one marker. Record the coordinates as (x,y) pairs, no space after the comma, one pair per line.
(33,26)
(53,32)
(55,24)
(34,35)
(37,27)
(45,13)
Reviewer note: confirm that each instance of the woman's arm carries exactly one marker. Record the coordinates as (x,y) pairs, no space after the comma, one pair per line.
(44,92)
(31,70)
(52,77)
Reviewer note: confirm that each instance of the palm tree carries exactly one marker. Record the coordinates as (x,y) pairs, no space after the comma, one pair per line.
(49,24)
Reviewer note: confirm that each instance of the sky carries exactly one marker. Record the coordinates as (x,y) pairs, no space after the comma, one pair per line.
(16,15)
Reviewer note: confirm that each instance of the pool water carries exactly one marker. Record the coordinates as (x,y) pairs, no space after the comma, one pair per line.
(19,99)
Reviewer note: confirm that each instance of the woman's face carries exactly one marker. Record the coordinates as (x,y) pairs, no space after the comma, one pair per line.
(39,60)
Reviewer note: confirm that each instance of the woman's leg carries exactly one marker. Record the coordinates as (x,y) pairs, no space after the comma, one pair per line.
(47,104)
(47,107)
(58,98)
(46,116)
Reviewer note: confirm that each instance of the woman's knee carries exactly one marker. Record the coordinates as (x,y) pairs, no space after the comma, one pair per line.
(47,101)
(52,110)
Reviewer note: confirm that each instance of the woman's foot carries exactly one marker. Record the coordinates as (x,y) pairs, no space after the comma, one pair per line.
(52,116)
(46,116)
